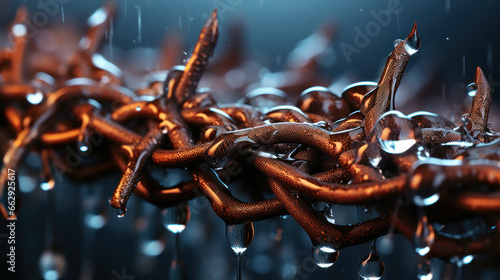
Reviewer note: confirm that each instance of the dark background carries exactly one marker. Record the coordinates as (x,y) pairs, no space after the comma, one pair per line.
(457,36)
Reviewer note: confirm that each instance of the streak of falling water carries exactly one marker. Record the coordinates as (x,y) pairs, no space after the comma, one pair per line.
(463,65)
(139,24)
(371,267)
(62,13)
(397,19)
(489,57)
(125,4)
(447,5)
(111,31)
(180,22)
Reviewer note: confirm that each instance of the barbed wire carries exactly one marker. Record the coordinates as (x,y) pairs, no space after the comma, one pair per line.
(350,149)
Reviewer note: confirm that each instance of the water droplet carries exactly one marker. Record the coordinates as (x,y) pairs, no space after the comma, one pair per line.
(287,113)
(138,108)
(386,244)
(164,130)
(321,101)
(447,38)
(226,147)
(424,236)
(152,247)
(176,218)
(472,89)
(95,221)
(330,214)
(372,267)
(465,118)
(412,43)
(121,212)
(266,97)
(47,186)
(396,133)
(52,265)
(425,184)
(324,256)
(35,98)
(82,146)
(396,42)
(19,30)
(424,271)
(239,236)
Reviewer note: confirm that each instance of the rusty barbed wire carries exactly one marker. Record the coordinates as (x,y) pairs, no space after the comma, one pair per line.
(351,148)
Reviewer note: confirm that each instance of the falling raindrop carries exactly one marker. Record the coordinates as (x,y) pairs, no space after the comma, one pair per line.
(110,38)
(372,267)
(138,108)
(52,265)
(424,271)
(239,238)
(176,218)
(424,236)
(62,13)
(463,65)
(139,24)
(324,256)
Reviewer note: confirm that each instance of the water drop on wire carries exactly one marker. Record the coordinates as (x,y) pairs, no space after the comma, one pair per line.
(324,257)
(371,267)
(424,236)
(239,238)
(176,218)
